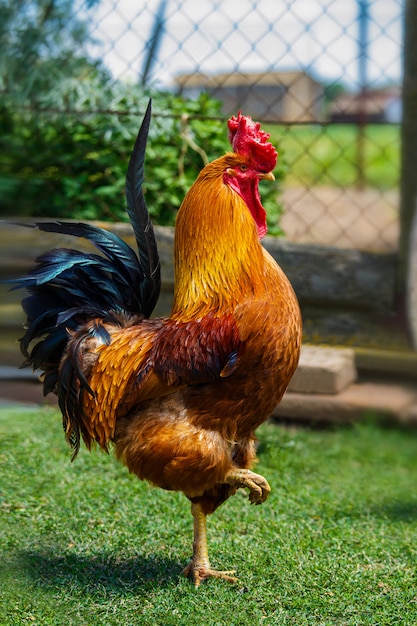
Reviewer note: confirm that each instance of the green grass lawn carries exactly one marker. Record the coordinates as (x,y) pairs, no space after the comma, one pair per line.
(88,544)
(328,155)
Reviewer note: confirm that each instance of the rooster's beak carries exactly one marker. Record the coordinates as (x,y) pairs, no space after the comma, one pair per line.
(267,176)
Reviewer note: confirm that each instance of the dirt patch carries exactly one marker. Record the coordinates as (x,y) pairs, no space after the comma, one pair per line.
(347,218)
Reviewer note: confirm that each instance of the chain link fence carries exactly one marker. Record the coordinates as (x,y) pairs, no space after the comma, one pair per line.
(323,76)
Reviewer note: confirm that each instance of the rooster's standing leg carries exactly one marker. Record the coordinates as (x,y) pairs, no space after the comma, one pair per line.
(199,567)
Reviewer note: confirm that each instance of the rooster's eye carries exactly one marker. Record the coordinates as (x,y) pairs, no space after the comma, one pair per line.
(243,167)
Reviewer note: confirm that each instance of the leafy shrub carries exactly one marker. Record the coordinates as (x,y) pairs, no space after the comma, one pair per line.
(73,165)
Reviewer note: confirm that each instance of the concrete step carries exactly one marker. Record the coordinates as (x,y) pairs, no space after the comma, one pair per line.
(324,370)
(395,402)
(22,387)
(8,372)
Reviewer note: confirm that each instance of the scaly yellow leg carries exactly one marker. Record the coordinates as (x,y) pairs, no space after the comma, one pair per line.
(199,567)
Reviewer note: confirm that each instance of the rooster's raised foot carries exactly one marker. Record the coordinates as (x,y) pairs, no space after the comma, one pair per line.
(258,486)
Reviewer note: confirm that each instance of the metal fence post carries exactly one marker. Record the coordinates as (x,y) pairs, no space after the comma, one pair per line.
(408,185)
(363,18)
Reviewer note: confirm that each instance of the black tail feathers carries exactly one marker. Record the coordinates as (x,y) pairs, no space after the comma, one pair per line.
(67,288)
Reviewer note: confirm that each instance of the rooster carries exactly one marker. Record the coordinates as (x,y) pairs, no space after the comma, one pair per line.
(178,398)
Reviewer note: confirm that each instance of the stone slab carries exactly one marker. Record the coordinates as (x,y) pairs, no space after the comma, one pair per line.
(324,370)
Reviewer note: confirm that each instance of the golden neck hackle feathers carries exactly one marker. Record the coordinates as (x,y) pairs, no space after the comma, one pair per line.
(219,260)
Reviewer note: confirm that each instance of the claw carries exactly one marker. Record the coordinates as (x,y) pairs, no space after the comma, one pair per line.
(258,486)
(199,573)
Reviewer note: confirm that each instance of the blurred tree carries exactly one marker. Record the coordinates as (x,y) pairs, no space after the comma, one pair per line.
(333,90)
(39,44)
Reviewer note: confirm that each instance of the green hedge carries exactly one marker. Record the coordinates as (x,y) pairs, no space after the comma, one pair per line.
(61,164)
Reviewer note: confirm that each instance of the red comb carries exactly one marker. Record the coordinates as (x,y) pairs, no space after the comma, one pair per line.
(247,137)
